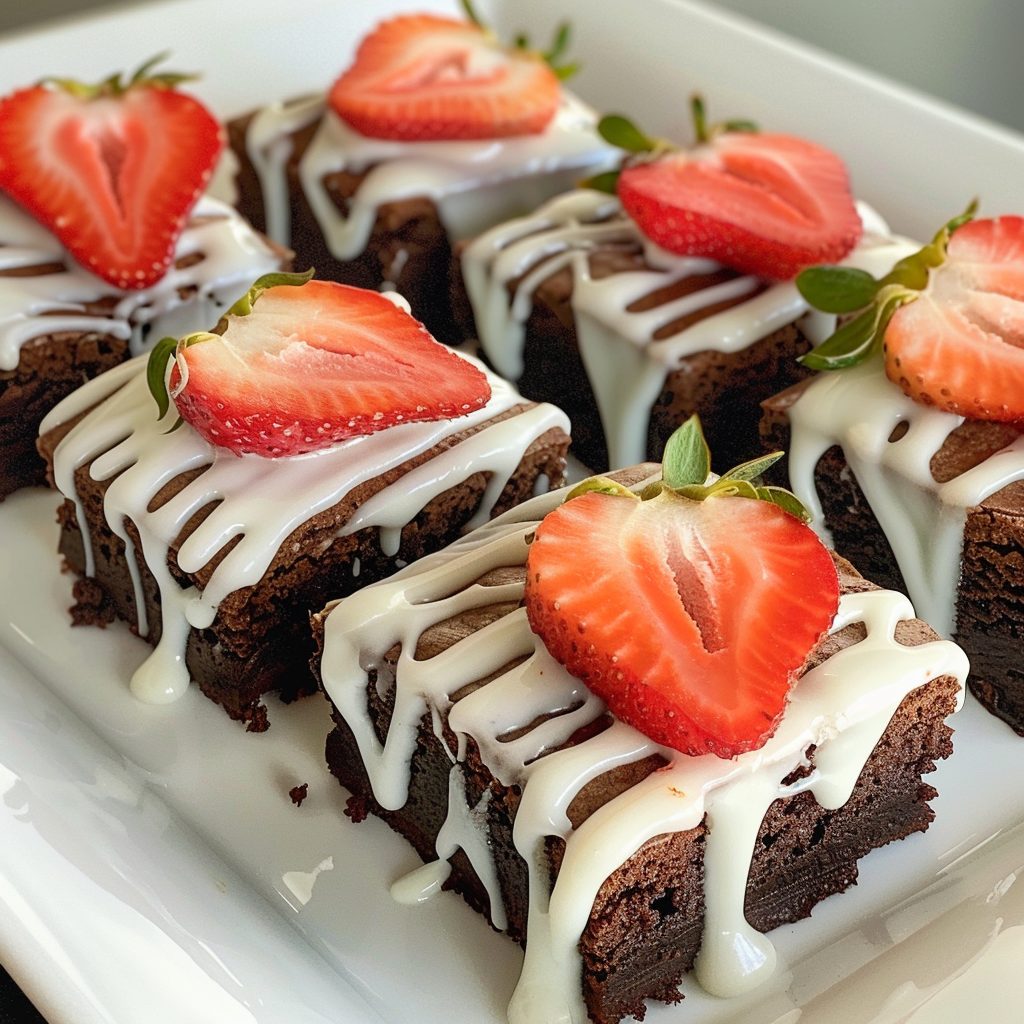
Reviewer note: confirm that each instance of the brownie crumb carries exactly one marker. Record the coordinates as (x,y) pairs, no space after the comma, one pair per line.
(356,809)
(92,606)
(299,793)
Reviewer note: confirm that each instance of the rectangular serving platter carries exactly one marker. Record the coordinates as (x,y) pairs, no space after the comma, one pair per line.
(152,865)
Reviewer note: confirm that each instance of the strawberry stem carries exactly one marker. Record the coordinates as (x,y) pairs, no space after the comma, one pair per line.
(705,132)
(117,85)
(700,121)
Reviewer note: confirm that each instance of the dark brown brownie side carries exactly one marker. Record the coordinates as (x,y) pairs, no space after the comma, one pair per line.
(645,929)
(990,599)
(726,389)
(408,245)
(52,366)
(49,369)
(260,641)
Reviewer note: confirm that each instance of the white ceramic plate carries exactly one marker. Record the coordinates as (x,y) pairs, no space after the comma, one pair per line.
(152,867)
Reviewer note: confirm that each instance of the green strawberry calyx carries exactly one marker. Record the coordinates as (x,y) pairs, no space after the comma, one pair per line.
(686,467)
(841,290)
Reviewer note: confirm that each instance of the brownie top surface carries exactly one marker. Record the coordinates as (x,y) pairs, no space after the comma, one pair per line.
(43,291)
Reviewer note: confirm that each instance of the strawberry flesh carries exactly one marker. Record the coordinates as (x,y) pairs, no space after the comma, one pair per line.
(764,204)
(423,77)
(960,345)
(690,619)
(314,365)
(114,178)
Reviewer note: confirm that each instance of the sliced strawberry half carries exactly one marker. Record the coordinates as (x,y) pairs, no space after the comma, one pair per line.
(689,618)
(420,76)
(960,345)
(314,364)
(764,204)
(112,170)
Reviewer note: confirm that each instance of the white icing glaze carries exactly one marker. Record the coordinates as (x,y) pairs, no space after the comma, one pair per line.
(858,409)
(626,367)
(843,706)
(262,501)
(474,184)
(234,255)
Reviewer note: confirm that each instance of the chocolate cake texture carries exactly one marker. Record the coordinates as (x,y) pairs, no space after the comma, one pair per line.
(197,526)
(505,774)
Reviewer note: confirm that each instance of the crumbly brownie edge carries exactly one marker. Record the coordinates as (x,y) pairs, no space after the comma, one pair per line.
(260,641)
(990,596)
(803,853)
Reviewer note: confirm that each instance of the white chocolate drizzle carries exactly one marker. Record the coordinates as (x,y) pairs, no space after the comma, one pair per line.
(627,367)
(185,299)
(842,706)
(474,184)
(859,409)
(258,502)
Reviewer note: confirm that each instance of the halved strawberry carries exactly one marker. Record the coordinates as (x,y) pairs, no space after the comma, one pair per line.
(113,170)
(422,76)
(300,367)
(960,344)
(689,618)
(764,204)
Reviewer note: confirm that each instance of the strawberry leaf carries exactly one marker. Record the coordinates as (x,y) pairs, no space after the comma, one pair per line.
(564,71)
(621,132)
(606,182)
(725,488)
(851,344)
(786,500)
(470,12)
(754,468)
(837,289)
(602,484)
(558,45)
(862,335)
(156,374)
(687,458)
(275,279)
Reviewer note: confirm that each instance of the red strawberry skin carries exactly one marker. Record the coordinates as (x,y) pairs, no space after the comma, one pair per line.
(314,365)
(689,619)
(960,345)
(423,77)
(114,178)
(768,205)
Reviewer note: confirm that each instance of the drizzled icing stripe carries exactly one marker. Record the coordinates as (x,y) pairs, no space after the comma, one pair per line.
(261,501)
(474,184)
(842,706)
(626,366)
(923,520)
(233,255)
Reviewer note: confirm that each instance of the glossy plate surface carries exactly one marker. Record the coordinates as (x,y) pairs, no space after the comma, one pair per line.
(152,866)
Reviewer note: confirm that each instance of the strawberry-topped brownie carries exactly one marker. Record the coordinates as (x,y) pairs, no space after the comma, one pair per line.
(638,724)
(909,445)
(672,295)
(435,132)
(106,239)
(219,491)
